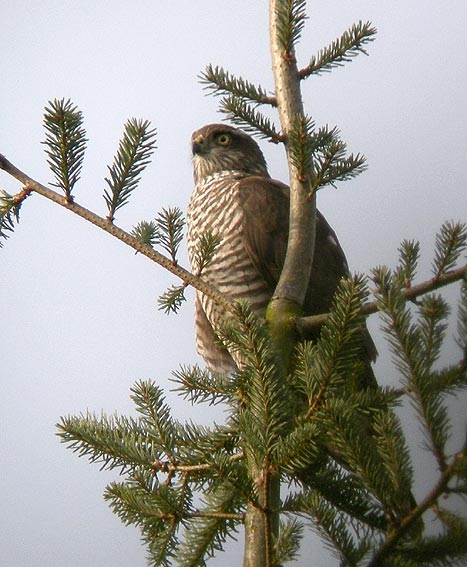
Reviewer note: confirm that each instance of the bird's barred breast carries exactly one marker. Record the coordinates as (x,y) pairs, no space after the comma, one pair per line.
(215,207)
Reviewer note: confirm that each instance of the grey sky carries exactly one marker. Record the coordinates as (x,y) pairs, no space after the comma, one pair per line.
(79,318)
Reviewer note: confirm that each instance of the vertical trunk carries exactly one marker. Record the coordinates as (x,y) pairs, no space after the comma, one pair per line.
(295,275)
(262,520)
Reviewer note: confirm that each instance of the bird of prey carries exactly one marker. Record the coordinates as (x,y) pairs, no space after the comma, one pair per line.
(236,199)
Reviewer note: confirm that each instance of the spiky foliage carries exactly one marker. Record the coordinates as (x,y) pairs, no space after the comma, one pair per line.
(315,424)
(169,226)
(66,143)
(240,101)
(160,460)
(146,232)
(187,487)
(416,339)
(348,540)
(199,385)
(133,155)
(287,544)
(451,241)
(319,155)
(221,82)
(9,214)
(165,231)
(321,366)
(207,246)
(342,50)
(172,298)
(266,413)
(248,117)
(291,16)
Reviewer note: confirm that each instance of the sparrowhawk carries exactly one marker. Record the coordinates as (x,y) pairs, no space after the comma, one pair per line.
(236,198)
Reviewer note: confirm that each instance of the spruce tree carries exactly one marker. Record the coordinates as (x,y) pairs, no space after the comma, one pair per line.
(291,452)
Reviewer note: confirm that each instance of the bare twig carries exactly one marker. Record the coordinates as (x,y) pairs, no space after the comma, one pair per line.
(170,467)
(218,515)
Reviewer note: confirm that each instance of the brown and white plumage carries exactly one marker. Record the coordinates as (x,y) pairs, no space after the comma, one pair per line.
(236,198)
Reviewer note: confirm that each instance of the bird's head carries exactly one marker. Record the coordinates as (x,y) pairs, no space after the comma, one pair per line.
(219,147)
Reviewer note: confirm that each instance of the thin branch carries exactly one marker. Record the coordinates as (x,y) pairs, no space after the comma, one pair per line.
(22,195)
(218,515)
(171,468)
(186,276)
(197,514)
(221,82)
(396,534)
(10,206)
(341,51)
(306,324)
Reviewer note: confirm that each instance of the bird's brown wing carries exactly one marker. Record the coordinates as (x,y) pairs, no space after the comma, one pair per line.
(265,204)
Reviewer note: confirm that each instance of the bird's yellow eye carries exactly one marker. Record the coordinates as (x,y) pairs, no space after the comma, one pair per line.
(223,139)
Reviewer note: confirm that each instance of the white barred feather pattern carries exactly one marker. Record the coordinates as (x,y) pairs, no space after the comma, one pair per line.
(215,207)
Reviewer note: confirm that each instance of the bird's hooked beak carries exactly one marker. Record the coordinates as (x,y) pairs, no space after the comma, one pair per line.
(198,144)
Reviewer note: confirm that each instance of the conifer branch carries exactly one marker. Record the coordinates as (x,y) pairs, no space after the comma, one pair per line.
(336,166)
(169,230)
(451,241)
(221,82)
(287,544)
(303,142)
(290,16)
(267,397)
(430,501)
(207,245)
(338,530)
(30,185)
(146,232)
(134,151)
(172,468)
(306,324)
(66,143)
(211,527)
(299,450)
(339,344)
(333,486)
(216,515)
(172,298)
(319,155)
(10,206)
(199,385)
(341,51)
(168,234)
(246,116)
(155,416)
(101,439)
(156,509)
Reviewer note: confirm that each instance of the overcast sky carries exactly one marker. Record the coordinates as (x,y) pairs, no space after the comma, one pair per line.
(78,312)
